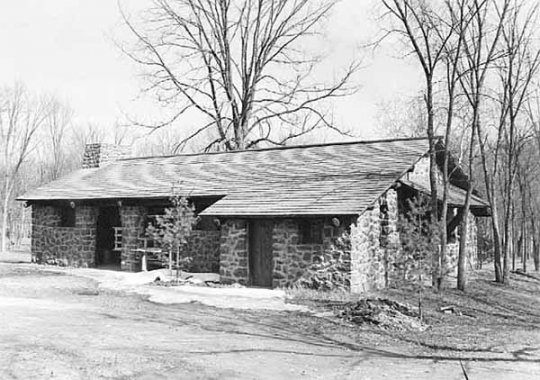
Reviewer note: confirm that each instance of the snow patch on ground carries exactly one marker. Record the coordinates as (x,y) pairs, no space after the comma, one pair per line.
(221,297)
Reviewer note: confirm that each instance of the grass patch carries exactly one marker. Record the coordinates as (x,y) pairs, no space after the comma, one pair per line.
(495,320)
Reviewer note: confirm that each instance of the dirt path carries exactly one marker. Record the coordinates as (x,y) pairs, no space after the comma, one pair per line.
(56,326)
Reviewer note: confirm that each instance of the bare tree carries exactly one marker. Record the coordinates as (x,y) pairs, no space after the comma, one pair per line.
(402,118)
(423,28)
(516,72)
(20,118)
(57,123)
(242,65)
(460,18)
(480,53)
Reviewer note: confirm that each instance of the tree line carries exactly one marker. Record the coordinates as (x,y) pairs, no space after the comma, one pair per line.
(479,61)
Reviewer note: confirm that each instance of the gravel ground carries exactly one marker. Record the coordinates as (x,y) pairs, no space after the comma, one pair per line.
(59,326)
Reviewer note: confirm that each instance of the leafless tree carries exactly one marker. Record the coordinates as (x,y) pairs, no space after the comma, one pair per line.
(428,28)
(21,115)
(402,118)
(516,72)
(57,123)
(460,18)
(481,51)
(243,65)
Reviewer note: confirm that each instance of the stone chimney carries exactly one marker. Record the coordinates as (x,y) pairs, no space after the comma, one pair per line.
(100,154)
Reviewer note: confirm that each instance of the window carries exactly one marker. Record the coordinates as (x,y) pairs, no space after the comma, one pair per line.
(67,217)
(206,223)
(117,238)
(310,232)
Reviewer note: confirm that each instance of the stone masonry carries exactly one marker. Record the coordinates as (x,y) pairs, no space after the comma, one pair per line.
(374,245)
(234,252)
(132,221)
(98,155)
(326,263)
(204,247)
(452,249)
(53,244)
(361,264)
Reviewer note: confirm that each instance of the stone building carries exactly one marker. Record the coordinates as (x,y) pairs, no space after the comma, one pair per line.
(268,217)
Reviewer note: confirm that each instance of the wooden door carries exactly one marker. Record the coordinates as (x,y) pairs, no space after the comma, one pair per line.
(261,264)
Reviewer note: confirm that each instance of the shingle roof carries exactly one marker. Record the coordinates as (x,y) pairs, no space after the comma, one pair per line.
(456,196)
(329,179)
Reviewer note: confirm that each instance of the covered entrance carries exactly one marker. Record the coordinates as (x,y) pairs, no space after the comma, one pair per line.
(106,255)
(261,263)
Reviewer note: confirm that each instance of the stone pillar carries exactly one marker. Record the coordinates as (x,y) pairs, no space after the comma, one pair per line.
(132,221)
(85,225)
(234,252)
(367,259)
(285,239)
(337,249)
(359,253)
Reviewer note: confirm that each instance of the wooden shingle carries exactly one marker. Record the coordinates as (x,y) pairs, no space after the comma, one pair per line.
(326,179)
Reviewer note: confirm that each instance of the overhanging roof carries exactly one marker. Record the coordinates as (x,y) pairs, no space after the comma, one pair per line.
(327,179)
(456,196)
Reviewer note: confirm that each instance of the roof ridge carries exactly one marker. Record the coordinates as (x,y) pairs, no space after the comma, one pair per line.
(288,147)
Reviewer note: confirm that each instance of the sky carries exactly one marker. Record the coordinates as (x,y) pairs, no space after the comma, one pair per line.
(67,48)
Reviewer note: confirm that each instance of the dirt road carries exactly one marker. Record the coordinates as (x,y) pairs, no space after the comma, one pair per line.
(55,326)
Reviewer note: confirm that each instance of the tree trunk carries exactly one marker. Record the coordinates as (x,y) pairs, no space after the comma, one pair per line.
(462,258)
(536,253)
(433,171)
(463,236)
(492,199)
(5,207)
(507,243)
(525,248)
(496,245)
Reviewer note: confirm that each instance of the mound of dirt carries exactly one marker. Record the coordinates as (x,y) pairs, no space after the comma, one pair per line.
(383,313)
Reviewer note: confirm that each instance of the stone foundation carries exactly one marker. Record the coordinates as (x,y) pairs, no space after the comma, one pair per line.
(54,244)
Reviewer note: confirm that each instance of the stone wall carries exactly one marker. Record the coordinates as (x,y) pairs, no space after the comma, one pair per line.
(132,219)
(374,245)
(365,252)
(452,249)
(203,247)
(325,265)
(358,261)
(234,252)
(54,244)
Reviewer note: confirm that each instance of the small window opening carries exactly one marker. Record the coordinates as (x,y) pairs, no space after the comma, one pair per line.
(310,232)
(67,217)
